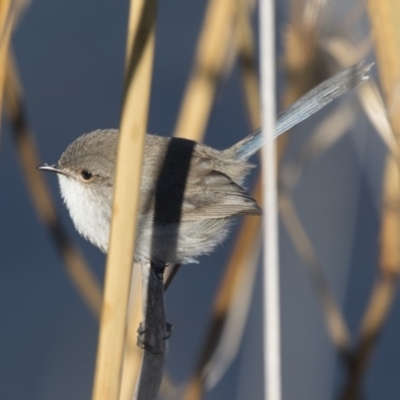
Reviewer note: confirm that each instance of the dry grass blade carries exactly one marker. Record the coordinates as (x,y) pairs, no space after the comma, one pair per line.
(133,354)
(304,66)
(374,107)
(378,309)
(171,275)
(140,52)
(76,267)
(207,71)
(247,61)
(336,325)
(6,25)
(329,131)
(346,54)
(384,17)
(301,60)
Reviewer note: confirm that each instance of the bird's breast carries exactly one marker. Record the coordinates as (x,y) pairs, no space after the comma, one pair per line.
(90,210)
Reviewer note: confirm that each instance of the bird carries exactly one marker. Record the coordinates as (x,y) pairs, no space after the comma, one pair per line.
(189,193)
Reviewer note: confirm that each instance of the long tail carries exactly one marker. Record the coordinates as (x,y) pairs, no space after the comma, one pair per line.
(303,108)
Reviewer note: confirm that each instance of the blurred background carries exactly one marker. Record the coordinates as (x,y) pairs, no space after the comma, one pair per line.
(70,57)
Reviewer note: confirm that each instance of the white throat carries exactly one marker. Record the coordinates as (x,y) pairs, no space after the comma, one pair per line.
(90,215)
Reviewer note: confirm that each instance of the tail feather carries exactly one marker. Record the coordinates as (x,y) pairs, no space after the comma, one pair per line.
(303,108)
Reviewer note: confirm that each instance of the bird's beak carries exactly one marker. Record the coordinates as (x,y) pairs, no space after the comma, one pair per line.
(51,168)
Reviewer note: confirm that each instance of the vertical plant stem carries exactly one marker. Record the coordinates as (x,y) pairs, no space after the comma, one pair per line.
(152,333)
(6,24)
(211,54)
(140,52)
(207,71)
(272,362)
(247,61)
(133,354)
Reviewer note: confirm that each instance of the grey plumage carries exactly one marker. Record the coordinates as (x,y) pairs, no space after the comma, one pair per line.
(195,202)
(189,192)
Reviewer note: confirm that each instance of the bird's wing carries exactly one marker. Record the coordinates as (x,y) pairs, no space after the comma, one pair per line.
(193,182)
(217,196)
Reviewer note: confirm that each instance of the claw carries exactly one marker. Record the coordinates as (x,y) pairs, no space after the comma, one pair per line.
(144,338)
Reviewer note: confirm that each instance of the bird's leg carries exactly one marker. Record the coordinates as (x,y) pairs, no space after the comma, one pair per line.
(158,268)
(153,330)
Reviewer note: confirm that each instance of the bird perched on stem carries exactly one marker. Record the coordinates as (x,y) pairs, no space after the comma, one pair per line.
(189,192)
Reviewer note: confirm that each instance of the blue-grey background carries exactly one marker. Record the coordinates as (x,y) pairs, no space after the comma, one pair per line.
(70,56)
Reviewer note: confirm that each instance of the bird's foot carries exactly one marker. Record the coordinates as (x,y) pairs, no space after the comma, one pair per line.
(147,339)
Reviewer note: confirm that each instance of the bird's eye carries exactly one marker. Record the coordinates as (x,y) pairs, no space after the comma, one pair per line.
(86,175)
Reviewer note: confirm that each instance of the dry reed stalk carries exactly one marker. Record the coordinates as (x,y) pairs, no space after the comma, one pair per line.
(346,54)
(211,54)
(139,61)
(6,25)
(384,17)
(208,69)
(337,123)
(302,62)
(76,267)
(210,57)
(133,354)
(271,285)
(246,50)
